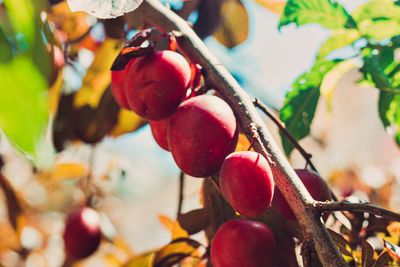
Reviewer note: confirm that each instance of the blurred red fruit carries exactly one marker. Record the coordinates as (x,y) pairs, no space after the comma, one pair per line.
(82,233)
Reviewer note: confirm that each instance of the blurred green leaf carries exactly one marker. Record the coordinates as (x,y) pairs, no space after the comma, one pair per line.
(23,104)
(22,16)
(333,77)
(328,14)
(385,99)
(5,47)
(376,9)
(338,39)
(377,67)
(299,107)
(380,29)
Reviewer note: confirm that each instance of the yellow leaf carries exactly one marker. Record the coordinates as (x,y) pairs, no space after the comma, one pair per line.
(120,243)
(173,226)
(8,237)
(173,252)
(74,24)
(98,76)
(243,144)
(64,171)
(166,222)
(234,28)
(178,231)
(143,260)
(273,5)
(55,92)
(333,77)
(128,121)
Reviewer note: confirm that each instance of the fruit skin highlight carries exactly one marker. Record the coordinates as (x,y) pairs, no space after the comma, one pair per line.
(201,133)
(159,130)
(118,80)
(239,243)
(315,185)
(156,84)
(82,233)
(247,183)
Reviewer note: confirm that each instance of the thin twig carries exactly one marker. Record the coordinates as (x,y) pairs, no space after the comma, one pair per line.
(215,183)
(180,198)
(282,127)
(356,207)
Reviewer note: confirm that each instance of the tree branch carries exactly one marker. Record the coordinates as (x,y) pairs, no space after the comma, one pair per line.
(155,14)
(181,188)
(356,207)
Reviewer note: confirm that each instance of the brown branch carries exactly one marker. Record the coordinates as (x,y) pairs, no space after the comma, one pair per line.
(180,199)
(356,207)
(155,14)
(282,127)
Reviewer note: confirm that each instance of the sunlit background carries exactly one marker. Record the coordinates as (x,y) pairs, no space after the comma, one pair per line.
(140,180)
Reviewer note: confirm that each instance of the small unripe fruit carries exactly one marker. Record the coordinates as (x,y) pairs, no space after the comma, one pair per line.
(82,233)
(118,81)
(159,129)
(201,133)
(243,243)
(247,183)
(157,84)
(315,185)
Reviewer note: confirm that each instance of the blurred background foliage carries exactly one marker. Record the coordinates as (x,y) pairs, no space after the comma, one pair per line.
(331,70)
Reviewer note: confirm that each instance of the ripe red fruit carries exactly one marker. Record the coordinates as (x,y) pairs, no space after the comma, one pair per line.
(240,243)
(247,183)
(201,133)
(157,83)
(159,131)
(315,185)
(82,233)
(118,81)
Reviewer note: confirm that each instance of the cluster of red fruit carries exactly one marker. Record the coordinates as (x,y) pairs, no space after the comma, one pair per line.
(201,134)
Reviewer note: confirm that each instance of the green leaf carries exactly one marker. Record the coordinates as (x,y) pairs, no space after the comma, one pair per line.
(338,39)
(380,29)
(23,104)
(389,111)
(300,104)
(374,71)
(5,47)
(333,77)
(385,99)
(328,14)
(376,9)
